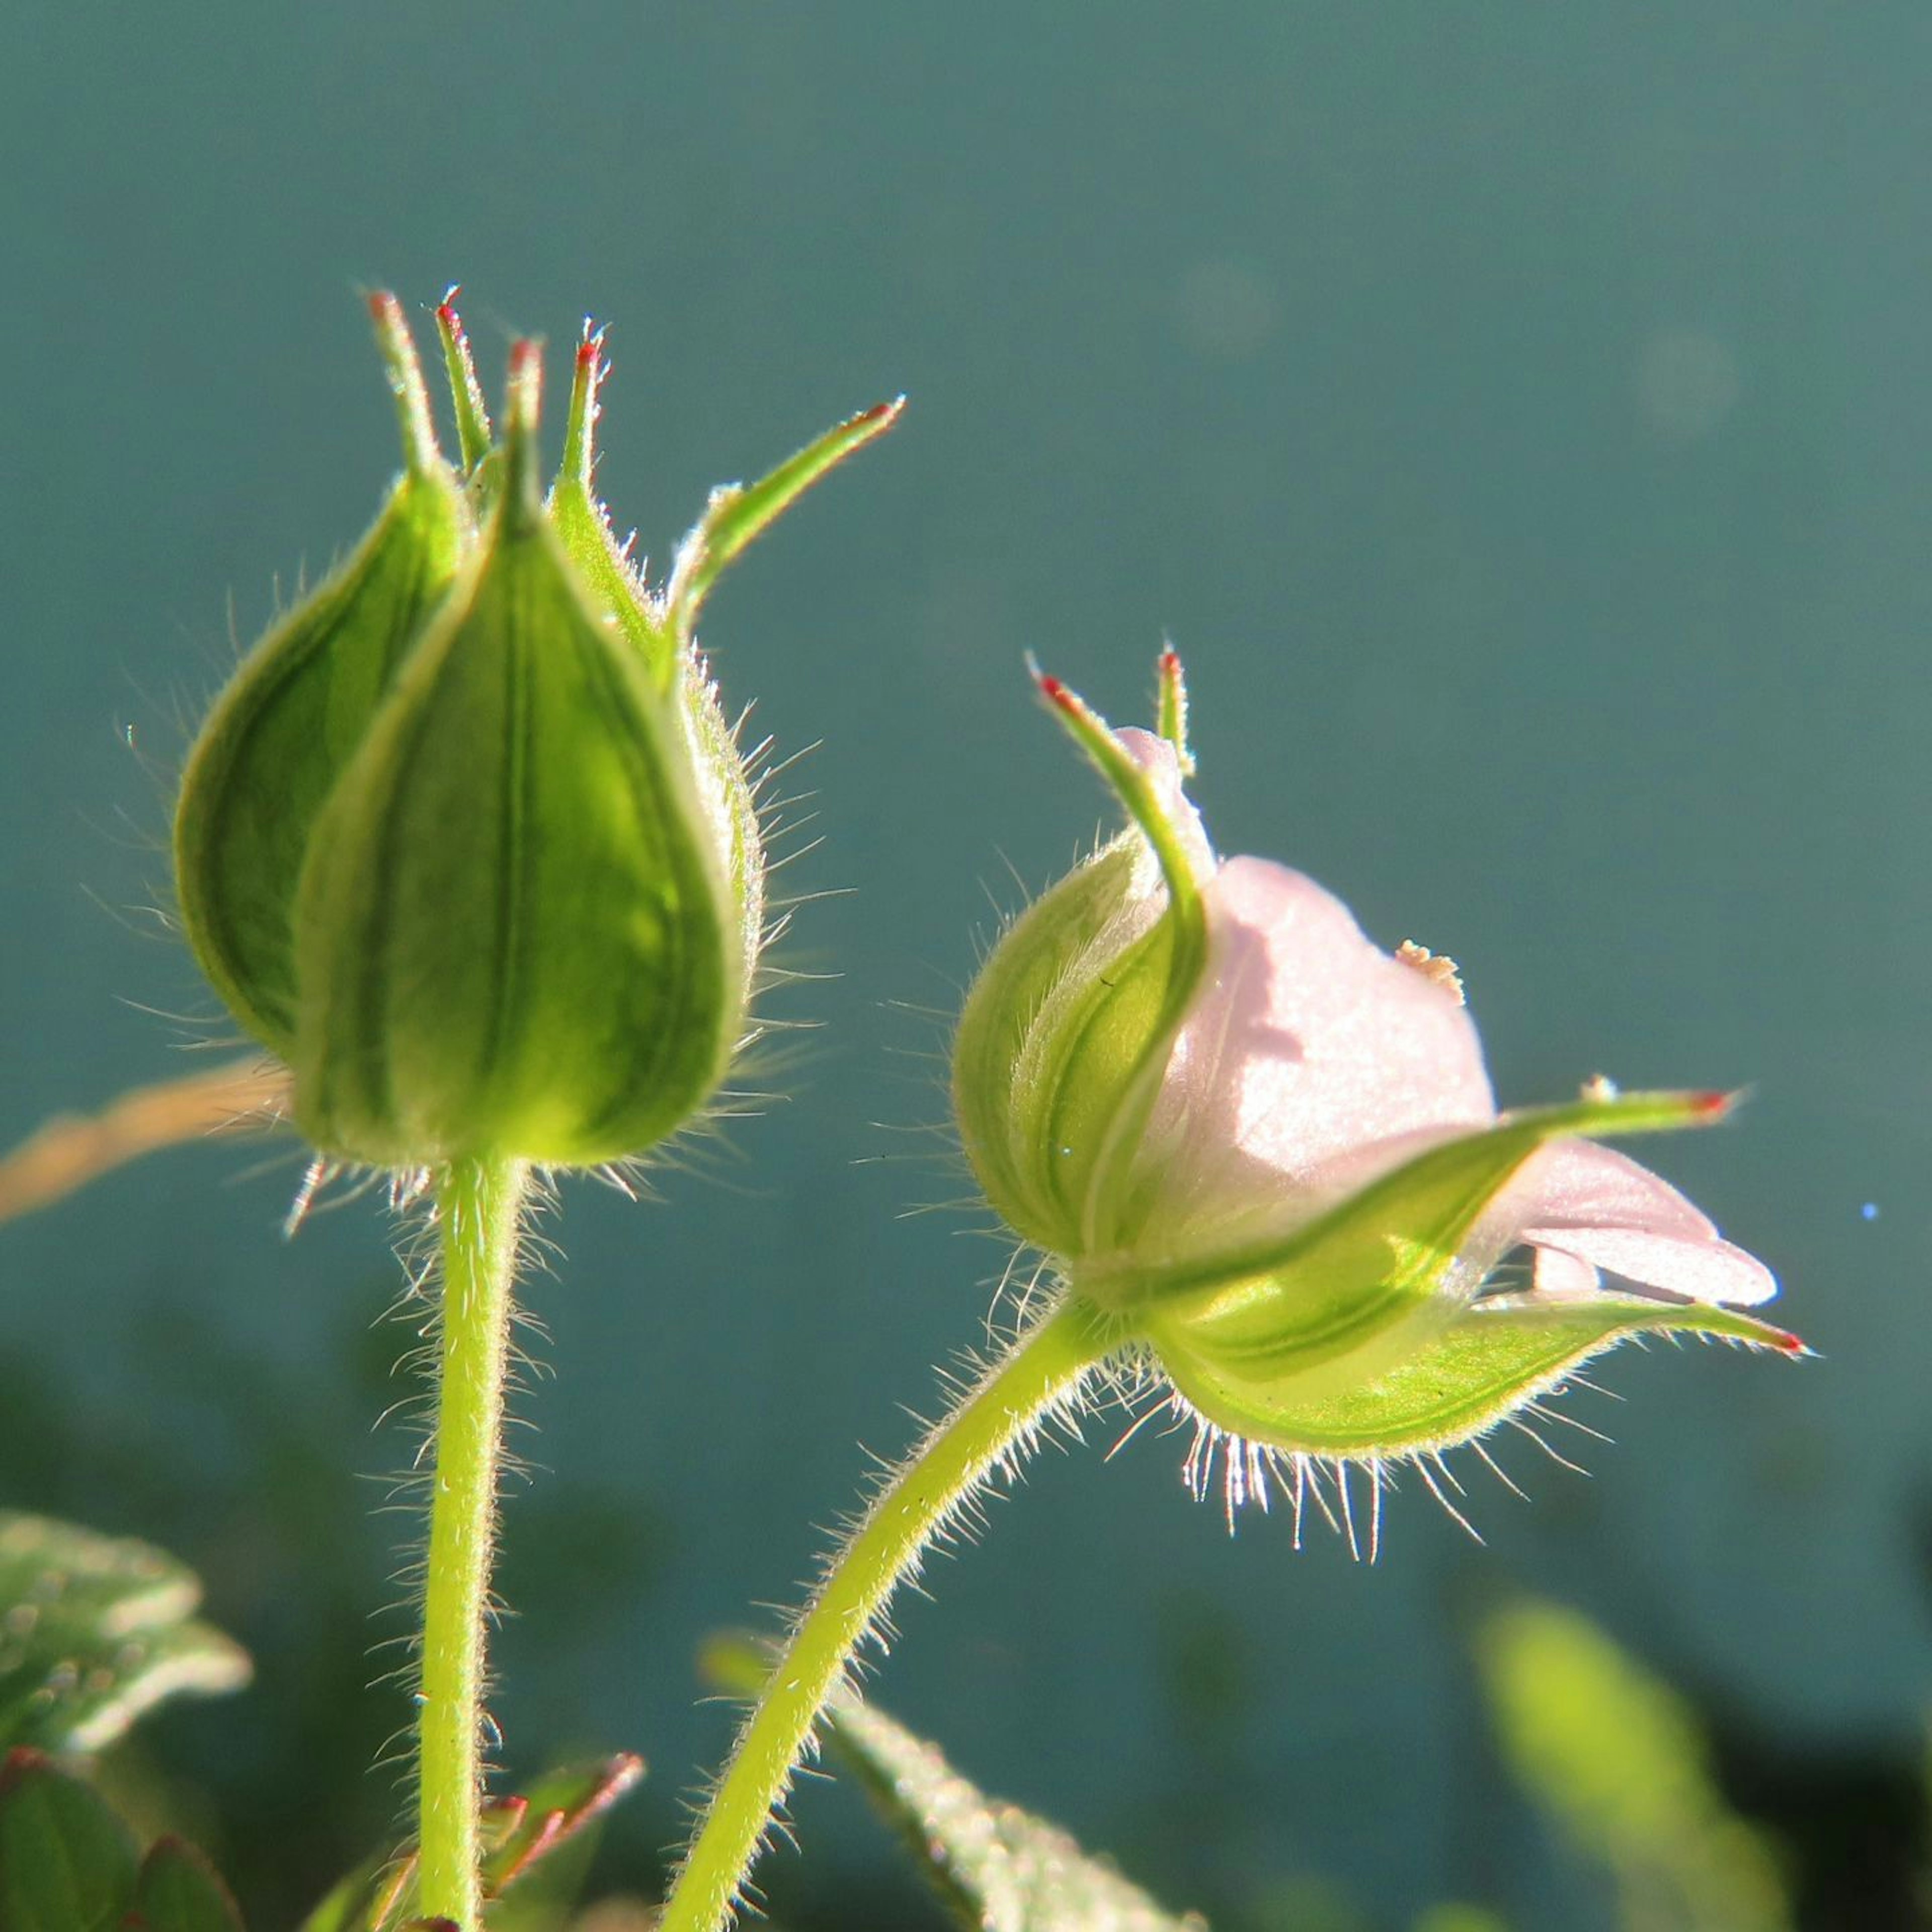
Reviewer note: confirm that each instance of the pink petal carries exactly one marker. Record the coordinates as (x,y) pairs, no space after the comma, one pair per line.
(1307,1043)
(1586,1207)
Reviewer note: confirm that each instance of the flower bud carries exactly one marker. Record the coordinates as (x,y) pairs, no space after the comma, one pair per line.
(1269,1151)
(520,911)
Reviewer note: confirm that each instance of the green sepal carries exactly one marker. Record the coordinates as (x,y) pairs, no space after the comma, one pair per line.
(289,722)
(1490,1360)
(1060,1016)
(514,931)
(1170,708)
(583,526)
(1065,1038)
(612,584)
(473,438)
(1108,1211)
(737,513)
(1373,1287)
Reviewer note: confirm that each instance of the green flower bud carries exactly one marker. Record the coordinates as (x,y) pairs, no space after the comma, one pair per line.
(1268,1153)
(521,909)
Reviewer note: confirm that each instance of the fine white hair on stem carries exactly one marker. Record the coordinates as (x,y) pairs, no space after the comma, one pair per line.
(999,1413)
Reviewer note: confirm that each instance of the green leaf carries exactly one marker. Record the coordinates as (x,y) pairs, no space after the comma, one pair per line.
(737,515)
(67,1863)
(1618,1759)
(537,1848)
(178,1890)
(94,1631)
(999,1868)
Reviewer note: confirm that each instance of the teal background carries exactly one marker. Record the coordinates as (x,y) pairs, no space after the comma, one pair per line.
(1518,415)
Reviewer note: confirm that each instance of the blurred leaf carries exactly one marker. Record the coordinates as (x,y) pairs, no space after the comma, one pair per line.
(999,1869)
(369,1900)
(67,1863)
(552,1817)
(1618,1759)
(94,1631)
(1460,1919)
(537,1849)
(178,1892)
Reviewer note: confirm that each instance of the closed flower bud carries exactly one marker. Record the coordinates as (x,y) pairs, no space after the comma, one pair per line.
(519,914)
(1267,1152)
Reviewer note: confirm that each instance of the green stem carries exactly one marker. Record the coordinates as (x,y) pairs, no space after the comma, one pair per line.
(478,1205)
(991,1424)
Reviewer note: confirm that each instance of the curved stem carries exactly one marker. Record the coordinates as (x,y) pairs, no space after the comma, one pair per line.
(478,1206)
(993,1424)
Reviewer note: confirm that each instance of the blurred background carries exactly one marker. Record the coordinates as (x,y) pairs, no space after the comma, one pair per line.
(1517,415)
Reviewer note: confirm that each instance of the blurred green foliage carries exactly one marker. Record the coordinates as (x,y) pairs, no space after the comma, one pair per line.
(94,1631)
(277,1785)
(1619,1761)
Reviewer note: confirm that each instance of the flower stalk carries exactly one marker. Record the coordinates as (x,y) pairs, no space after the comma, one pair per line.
(479,1203)
(1043,1373)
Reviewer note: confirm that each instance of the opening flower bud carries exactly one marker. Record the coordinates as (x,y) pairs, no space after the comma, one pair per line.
(516,905)
(1268,1151)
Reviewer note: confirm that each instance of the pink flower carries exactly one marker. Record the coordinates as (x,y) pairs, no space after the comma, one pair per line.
(1268,1152)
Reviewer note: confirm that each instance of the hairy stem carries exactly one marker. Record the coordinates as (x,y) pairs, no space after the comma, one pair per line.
(992,1423)
(478,1203)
